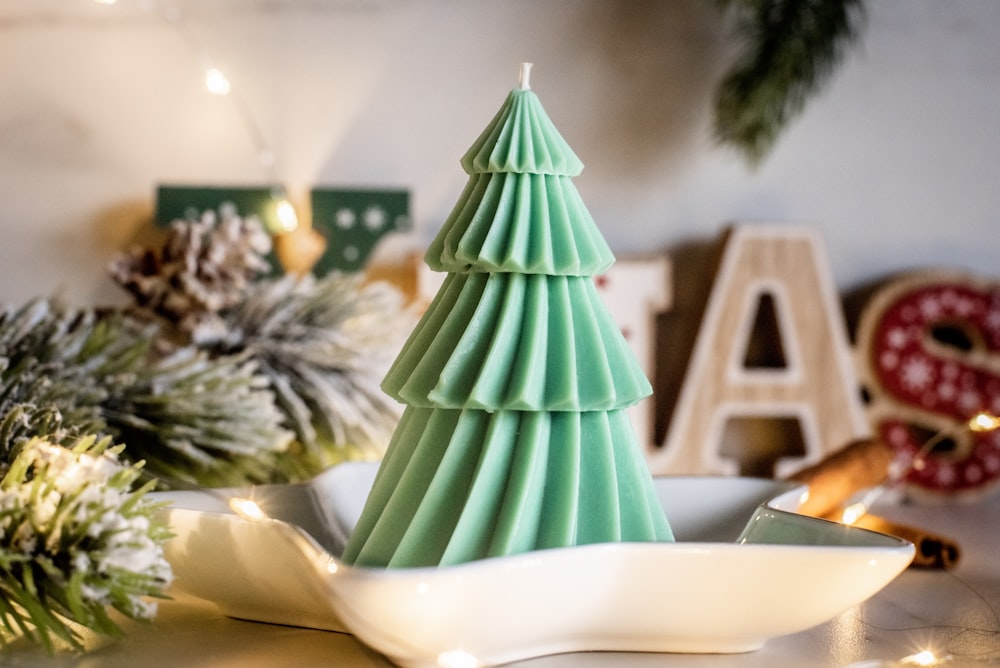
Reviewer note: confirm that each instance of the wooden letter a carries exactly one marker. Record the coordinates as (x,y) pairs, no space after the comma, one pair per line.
(816,384)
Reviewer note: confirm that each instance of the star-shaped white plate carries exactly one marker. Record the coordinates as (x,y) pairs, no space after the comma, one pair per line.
(745,568)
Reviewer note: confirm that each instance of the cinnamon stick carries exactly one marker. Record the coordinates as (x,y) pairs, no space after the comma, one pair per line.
(858,466)
(842,474)
(932,550)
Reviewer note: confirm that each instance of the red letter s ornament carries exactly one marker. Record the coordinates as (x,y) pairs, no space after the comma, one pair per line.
(929,348)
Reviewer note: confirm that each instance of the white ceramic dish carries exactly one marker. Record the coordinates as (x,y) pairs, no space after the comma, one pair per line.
(745,568)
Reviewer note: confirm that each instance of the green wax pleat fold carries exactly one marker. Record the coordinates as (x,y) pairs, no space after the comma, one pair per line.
(387,513)
(503,505)
(561,378)
(640,507)
(521,138)
(521,223)
(600,507)
(431,527)
(562,496)
(527,381)
(522,302)
(471,485)
(517,342)
(417,368)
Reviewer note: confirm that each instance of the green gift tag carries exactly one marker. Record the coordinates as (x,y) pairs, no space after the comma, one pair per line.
(188,203)
(353,222)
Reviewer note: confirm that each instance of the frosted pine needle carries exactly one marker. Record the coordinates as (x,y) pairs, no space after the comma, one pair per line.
(324,345)
(75,540)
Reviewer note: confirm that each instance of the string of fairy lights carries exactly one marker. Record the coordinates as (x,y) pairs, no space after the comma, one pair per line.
(979,423)
(218,83)
(924,658)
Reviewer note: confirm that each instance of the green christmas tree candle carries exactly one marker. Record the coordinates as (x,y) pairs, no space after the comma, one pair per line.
(516,381)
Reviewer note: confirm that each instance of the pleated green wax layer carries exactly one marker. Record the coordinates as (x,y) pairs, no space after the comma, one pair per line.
(457,486)
(517,342)
(521,138)
(523,223)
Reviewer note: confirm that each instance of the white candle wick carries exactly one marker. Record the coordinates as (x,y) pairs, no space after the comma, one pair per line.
(525,80)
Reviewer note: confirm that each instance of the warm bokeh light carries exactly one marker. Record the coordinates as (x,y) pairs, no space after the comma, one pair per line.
(853,513)
(457,659)
(216,82)
(287,218)
(247,508)
(981,422)
(924,658)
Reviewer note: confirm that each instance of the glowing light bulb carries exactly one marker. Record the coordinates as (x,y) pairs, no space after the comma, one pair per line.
(924,658)
(457,659)
(106,2)
(287,218)
(216,82)
(981,422)
(247,508)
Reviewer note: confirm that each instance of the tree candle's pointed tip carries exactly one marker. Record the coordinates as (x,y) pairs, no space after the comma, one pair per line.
(525,78)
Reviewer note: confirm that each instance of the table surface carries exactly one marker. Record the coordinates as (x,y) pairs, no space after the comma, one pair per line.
(952,613)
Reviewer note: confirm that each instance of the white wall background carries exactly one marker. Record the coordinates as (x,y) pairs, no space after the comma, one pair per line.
(897,162)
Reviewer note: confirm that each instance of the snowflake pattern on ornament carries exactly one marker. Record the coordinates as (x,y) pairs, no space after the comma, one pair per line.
(375,218)
(948,384)
(916,373)
(930,308)
(345,218)
(354,222)
(897,338)
(969,402)
(993,323)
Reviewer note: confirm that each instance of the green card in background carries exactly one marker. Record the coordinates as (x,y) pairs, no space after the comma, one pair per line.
(353,222)
(188,203)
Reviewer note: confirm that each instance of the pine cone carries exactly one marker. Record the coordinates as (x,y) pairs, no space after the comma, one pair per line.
(204,267)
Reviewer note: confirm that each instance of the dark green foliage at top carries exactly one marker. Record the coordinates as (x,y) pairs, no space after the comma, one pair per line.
(791,47)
